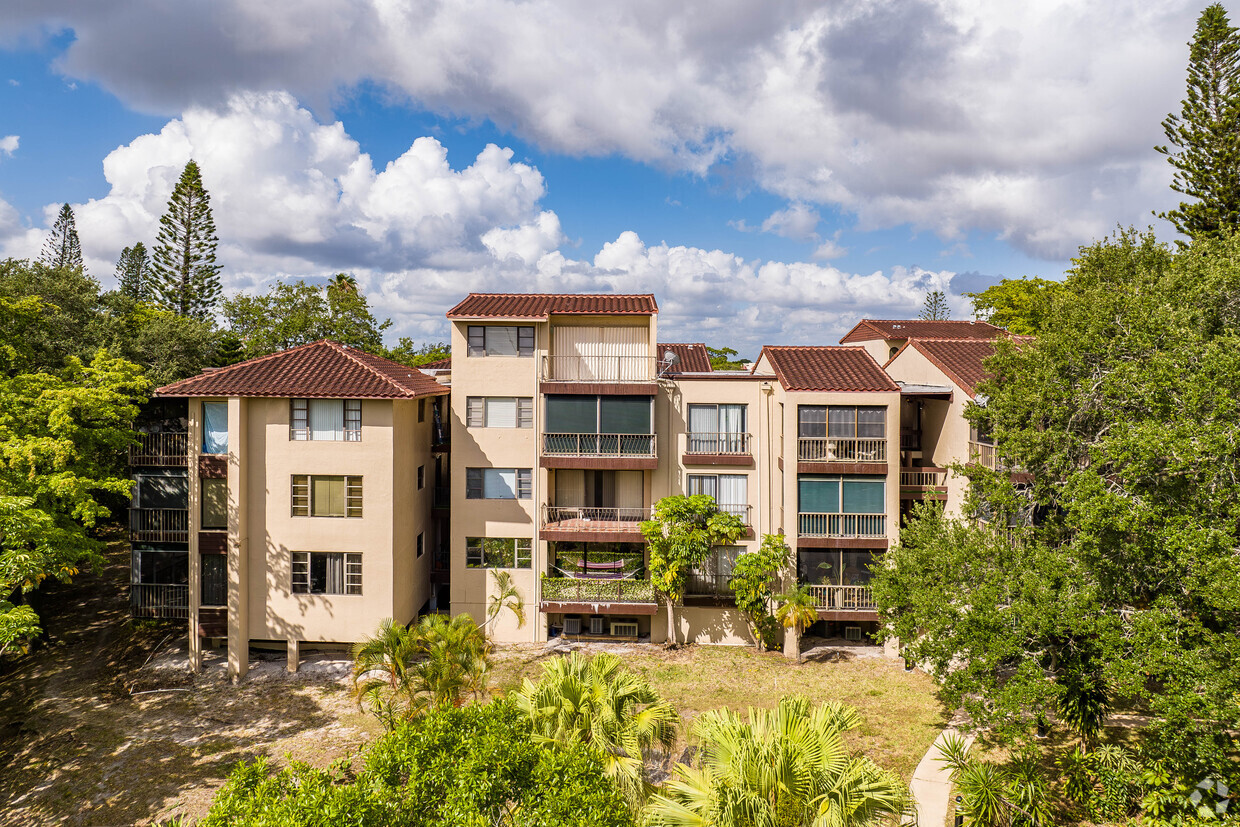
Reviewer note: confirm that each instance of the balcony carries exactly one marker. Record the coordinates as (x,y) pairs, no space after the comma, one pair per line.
(441,560)
(599,445)
(841,449)
(923,483)
(592,523)
(831,599)
(744,511)
(159,525)
(159,600)
(842,526)
(726,448)
(160,450)
(984,454)
(597,596)
(599,369)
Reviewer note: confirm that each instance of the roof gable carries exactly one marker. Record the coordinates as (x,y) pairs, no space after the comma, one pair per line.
(322,370)
(887,329)
(843,369)
(542,305)
(960,360)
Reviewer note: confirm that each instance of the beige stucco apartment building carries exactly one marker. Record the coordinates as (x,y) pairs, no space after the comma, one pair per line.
(302,497)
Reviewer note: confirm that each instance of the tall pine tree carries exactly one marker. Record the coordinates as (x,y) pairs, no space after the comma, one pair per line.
(184,275)
(63,251)
(133,273)
(1203,141)
(935,309)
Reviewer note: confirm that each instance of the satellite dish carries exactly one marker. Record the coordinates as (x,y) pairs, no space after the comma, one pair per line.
(670,358)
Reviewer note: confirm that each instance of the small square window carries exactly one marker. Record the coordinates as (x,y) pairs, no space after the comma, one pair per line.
(421,477)
(421,544)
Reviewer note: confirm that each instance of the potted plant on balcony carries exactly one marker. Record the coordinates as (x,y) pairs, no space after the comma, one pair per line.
(680,536)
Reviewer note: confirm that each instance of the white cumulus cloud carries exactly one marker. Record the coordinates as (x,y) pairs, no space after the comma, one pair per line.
(8,145)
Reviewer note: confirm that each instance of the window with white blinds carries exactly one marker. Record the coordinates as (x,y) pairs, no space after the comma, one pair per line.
(500,340)
(731,491)
(330,420)
(499,483)
(499,412)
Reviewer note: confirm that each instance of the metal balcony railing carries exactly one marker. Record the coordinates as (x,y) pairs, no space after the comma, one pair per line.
(727,443)
(589,590)
(923,477)
(595,518)
(168,449)
(599,445)
(699,584)
(742,510)
(159,525)
(841,449)
(159,600)
(865,526)
(843,598)
(598,369)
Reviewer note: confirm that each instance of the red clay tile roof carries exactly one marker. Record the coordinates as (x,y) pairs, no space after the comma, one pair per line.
(320,370)
(542,305)
(441,364)
(827,369)
(693,357)
(960,359)
(870,329)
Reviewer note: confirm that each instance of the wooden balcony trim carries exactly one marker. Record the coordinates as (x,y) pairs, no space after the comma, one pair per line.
(848,614)
(741,460)
(615,463)
(577,535)
(924,492)
(841,542)
(600,388)
(806,467)
(602,608)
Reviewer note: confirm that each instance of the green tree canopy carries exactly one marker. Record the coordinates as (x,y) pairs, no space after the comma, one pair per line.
(680,536)
(1203,141)
(935,308)
(1018,305)
(407,353)
(296,313)
(68,319)
(477,766)
(184,274)
(721,358)
(1125,416)
(63,250)
(752,577)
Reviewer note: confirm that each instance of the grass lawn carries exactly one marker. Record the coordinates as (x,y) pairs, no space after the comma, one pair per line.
(900,712)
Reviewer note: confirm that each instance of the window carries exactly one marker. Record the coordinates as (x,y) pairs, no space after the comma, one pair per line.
(499,412)
(421,544)
(215,427)
(835,568)
(323,496)
(717,429)
(327,572)
(499,484)
(330,420)
(214,504)
(498,552)
(422,409)
(421,477)
(622,423)
(500,340)
(731,491)
(842,495)
(711,577)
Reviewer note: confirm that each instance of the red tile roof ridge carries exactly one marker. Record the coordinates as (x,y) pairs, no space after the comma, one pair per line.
(863,375)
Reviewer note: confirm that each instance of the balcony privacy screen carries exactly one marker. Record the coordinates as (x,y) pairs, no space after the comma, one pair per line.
(842,495)
(215,427)
(572,415)
(598,415)
(168,489)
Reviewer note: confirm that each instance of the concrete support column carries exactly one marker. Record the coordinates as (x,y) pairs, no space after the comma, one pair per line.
(238,546)
(294,654)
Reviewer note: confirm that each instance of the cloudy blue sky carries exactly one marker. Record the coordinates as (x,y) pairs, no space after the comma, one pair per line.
(772,171)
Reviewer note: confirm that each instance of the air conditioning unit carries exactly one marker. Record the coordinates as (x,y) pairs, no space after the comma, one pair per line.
(624,628)
(852,633)
(572,625)
(596,624)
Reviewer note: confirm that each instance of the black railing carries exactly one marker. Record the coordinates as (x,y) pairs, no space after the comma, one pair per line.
(159,600)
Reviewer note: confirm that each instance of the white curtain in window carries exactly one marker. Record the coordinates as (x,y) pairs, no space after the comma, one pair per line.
(326,419)
(703,419)
(732,419)
(215,427)
(704,484)
(570,487)
(499,483)
(501,341)
(629,489)
(335,574)
(733,489)
(501,412)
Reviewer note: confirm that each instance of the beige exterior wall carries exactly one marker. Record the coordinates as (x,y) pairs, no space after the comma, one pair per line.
(945,431)
(263,534)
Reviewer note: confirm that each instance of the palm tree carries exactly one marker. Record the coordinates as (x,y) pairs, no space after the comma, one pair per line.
(342,283)
(506,597)
(597,701)
(782,767)
(798,611)
(403,672)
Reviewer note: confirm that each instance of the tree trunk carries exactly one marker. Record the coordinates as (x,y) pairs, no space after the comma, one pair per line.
(671,622)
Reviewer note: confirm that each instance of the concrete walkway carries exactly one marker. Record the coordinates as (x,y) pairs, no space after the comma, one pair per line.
(932,784)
